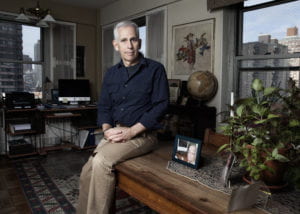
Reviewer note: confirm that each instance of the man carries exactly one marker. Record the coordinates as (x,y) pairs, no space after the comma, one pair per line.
(133,99)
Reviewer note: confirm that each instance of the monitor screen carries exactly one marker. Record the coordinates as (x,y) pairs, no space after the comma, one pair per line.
(73,91)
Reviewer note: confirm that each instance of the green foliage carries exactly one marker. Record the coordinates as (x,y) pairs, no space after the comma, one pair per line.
(263,125)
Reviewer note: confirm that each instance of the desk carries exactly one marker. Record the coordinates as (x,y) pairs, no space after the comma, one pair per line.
(82,118)
(147,179)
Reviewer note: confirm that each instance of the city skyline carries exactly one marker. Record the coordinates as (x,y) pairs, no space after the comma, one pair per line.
(276,20)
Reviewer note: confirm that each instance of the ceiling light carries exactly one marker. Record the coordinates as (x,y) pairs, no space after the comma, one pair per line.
(43,15)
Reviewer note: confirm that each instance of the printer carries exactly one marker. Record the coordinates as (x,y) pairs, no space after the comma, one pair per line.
(19,100)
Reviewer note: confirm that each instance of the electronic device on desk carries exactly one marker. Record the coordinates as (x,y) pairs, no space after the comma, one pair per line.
(19,100)
(14,128)
(19,146)
(74,91)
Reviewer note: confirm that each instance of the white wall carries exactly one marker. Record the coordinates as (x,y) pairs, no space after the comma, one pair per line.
(178,12)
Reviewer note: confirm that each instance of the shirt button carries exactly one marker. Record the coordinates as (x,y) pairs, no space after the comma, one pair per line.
(123,98)
(122,109)
(125,85)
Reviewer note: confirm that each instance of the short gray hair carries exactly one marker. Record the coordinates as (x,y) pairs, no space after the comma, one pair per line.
(125,24)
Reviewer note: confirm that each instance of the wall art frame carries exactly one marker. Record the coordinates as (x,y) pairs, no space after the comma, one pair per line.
(193,48)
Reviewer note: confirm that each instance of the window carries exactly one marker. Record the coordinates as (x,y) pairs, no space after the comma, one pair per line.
(269,44)
(141,22)
(20,58)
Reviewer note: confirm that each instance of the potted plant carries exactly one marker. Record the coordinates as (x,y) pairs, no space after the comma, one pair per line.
(265,130)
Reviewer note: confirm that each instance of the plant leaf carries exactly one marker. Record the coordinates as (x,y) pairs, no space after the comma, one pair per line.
(257,141)
(239,110)
(269,90)
(281,158)
(294,123)
(270,116)
(257,85)
(274,152)
(221,148)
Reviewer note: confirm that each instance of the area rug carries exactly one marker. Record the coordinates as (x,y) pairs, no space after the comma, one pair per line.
(285,201)
(51,184)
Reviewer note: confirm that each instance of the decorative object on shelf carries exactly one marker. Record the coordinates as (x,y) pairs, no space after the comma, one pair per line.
(193,47)
(175,90)
(265,130)
(202,85)
(187,151)
(42,16)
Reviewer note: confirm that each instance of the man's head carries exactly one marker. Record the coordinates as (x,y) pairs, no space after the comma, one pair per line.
(192,153)
(127,42)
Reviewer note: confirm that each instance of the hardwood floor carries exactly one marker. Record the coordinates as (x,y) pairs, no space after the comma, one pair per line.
(12,200)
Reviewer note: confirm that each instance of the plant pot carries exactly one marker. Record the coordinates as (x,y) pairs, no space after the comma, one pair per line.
(275,176)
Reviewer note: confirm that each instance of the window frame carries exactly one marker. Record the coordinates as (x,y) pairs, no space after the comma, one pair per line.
(9,18)
(239,57)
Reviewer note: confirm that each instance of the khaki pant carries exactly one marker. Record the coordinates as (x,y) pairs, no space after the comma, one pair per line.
(97,179)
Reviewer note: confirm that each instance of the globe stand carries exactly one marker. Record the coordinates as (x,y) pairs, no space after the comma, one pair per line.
(192,102)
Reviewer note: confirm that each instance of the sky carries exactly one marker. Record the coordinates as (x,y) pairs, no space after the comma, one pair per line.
(30,37)
(275,21)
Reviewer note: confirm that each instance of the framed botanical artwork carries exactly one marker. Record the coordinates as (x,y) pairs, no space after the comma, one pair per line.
(187,151)
(193,48)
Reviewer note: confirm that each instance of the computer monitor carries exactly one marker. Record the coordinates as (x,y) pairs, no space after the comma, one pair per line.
(74,91)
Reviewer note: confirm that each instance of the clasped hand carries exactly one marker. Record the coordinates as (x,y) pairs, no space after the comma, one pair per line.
(118,134)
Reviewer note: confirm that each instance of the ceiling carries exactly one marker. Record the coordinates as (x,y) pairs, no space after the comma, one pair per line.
(96,4)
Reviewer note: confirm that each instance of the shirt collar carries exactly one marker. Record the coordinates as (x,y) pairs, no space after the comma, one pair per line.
(142,61)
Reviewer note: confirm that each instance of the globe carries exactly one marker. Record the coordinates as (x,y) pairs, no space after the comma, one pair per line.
(202,85)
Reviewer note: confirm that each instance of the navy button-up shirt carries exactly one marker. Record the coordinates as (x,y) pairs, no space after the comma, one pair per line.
(143,97)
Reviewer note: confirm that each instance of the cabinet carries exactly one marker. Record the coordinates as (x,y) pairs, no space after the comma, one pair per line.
(21,132)
(189,120)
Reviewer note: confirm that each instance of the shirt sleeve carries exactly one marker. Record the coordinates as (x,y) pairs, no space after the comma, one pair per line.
(105,104)
(159,100)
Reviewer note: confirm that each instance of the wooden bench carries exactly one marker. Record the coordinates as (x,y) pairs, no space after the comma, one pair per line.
(147,179)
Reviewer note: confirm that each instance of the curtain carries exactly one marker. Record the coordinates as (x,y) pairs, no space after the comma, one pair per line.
(62,52)
(217,4)
(155,22)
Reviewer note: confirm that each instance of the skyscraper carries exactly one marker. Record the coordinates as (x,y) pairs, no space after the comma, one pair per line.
(11,74)
(292,41)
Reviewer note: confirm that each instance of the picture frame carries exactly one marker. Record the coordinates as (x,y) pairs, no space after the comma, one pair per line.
(193,48)
(187,151)
(175,90)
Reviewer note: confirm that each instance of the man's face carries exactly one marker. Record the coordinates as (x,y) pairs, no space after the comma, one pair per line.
(191,156)
(128,45)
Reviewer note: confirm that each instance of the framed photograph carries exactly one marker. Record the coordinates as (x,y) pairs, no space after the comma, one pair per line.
(193,48)
(175,90)
(187,151)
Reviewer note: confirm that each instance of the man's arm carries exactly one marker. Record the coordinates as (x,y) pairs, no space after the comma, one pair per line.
(159,100)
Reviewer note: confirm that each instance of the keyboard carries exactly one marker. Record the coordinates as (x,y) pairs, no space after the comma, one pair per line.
(63,113)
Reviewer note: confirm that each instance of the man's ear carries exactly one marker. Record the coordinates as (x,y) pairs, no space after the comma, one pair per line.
(115,44)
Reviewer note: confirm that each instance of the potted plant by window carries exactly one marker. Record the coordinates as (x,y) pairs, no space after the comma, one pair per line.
(265,132)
